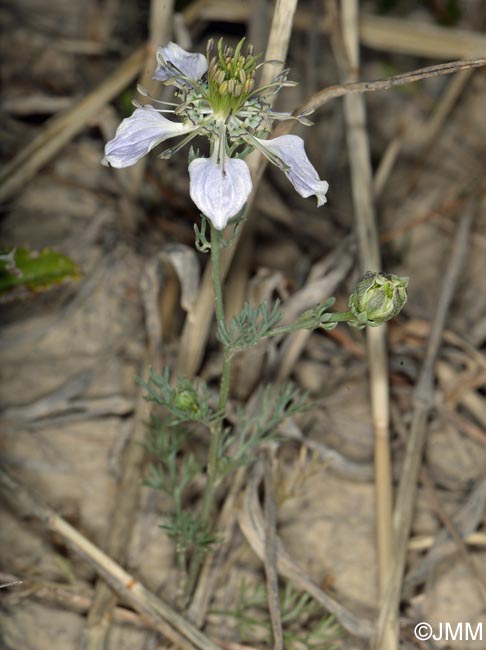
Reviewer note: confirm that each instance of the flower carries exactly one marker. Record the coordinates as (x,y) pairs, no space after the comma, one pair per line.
(218,100)
(376,298)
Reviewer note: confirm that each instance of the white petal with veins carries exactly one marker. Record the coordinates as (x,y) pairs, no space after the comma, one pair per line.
(219,196)
(138,134)
(301,173)
(191,65)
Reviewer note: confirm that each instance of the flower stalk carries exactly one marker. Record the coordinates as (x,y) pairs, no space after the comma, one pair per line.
(216,428)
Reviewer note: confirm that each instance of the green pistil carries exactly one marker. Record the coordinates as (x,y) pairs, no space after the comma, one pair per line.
(231,78)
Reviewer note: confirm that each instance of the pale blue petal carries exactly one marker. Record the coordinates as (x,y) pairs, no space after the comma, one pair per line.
(191,65)
(219,196)
(301,172)
(138,134)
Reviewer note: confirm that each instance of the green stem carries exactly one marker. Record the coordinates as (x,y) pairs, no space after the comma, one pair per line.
(217,427)
(337,317)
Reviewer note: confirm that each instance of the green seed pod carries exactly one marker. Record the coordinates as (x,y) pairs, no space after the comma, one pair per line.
(376,298)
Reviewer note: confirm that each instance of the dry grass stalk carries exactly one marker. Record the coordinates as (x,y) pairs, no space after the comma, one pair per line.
(104,601)
(164,619)
(209,575)
(124,512)
(160,30)
(423,401)
(270,559)
(465,521)
(369,255)
(62,128)
(252,525)
(429,131)
(326,278)
(378,32)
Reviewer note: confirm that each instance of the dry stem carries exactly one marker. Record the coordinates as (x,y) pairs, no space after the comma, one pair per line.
(62,128)
(270,560)
(378,32)
(423,401)
(168,622)
(369,253)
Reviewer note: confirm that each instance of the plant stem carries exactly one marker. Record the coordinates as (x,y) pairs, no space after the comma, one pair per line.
(337,317)
(217,427)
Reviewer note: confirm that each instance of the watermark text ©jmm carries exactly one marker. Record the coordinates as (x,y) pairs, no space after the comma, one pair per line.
(449,632)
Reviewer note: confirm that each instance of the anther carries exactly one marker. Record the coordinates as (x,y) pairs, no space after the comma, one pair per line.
(249,85)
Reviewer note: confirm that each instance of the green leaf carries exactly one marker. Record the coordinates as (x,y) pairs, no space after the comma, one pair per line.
(35,270)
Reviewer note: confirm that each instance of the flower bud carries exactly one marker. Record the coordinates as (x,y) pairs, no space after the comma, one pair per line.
(376,298)
(186,400)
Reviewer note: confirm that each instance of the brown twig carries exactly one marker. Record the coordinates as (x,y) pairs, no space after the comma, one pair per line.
(423,401)
(81,602)
(167,621)
(339,90)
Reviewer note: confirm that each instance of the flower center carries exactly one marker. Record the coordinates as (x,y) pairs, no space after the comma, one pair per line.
(231,78)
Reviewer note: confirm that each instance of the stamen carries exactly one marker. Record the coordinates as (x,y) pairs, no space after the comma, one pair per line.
(138,104)
(145,93)
(269,62)
(167,153)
